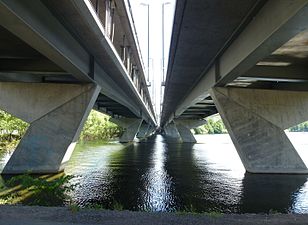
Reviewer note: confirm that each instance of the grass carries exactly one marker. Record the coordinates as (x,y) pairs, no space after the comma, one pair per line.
(191,210)
(214,214)
(74,208)
(47,190)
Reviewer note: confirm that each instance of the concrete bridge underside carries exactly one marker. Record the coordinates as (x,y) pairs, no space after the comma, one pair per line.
(60,60)
(246,60)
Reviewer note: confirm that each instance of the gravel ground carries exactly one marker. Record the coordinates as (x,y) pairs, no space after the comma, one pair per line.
(25,215)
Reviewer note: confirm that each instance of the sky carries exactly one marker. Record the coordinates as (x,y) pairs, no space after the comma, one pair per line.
(140,15)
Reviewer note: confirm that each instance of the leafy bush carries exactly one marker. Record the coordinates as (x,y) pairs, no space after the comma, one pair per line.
(211,127)
(98,127)
(11,130)
(302,127)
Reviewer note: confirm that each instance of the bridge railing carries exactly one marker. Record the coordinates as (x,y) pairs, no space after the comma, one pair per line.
(116,18)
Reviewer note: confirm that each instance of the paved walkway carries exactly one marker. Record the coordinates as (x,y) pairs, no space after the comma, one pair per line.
(24,215)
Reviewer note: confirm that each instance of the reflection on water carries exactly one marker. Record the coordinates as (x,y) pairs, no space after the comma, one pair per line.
(274,192)
(161,175)
(158,175)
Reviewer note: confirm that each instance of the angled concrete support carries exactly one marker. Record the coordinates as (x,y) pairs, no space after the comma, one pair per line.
(56,113)
(150,131)
(131,126)
(143,130)
(171,131)
(184,127)
(256,120)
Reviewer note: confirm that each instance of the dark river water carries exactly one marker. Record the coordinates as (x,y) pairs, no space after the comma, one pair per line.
(158,175)
(161,175)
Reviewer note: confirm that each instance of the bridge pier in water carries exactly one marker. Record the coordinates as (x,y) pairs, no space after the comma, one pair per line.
(131,126)
(143,130)
(180,129)
(184,126)
(171,131)
(256,119)
(56,113)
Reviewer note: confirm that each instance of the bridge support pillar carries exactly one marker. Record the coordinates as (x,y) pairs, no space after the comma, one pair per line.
(184,127)
(171,131)
(256,120)
(131,126)
(143,130)
(150,131)
(56,113)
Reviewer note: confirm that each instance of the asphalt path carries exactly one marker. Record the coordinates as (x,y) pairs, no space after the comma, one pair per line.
(26,215)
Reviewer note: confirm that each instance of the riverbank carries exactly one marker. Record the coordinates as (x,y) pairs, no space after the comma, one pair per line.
(26,215)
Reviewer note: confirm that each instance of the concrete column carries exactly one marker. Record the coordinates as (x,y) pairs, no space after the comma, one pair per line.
(131,126)
(184,127)
(171,131)
(256,120)
(150,131)
(185,133)
(143,130)
(56,113)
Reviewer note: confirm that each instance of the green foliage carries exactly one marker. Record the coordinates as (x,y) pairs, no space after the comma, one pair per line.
(11,130)
(117,206)
(74,208)
(273,211)
(302,127)
(95,206)
(40,191)
(212,127)
(98,127)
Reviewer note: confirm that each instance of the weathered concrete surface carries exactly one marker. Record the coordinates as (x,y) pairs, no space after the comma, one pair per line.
(143,130)
(17,215)
(171,131)
(255,120)
(185,133)
(55,120)
(150,131)
(131,126)
(184,126)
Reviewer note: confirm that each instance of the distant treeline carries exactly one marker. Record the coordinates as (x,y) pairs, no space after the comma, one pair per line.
(212,127)
(302,127)
(217,127)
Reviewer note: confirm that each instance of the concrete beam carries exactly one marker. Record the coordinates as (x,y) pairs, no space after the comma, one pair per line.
(35,65)
(256,120)
(278,73)
(102,48)
(271,27)
(32,22)
(131,127)
(56,113)
(35,24)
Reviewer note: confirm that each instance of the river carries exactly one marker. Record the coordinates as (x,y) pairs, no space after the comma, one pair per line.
(159,175)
